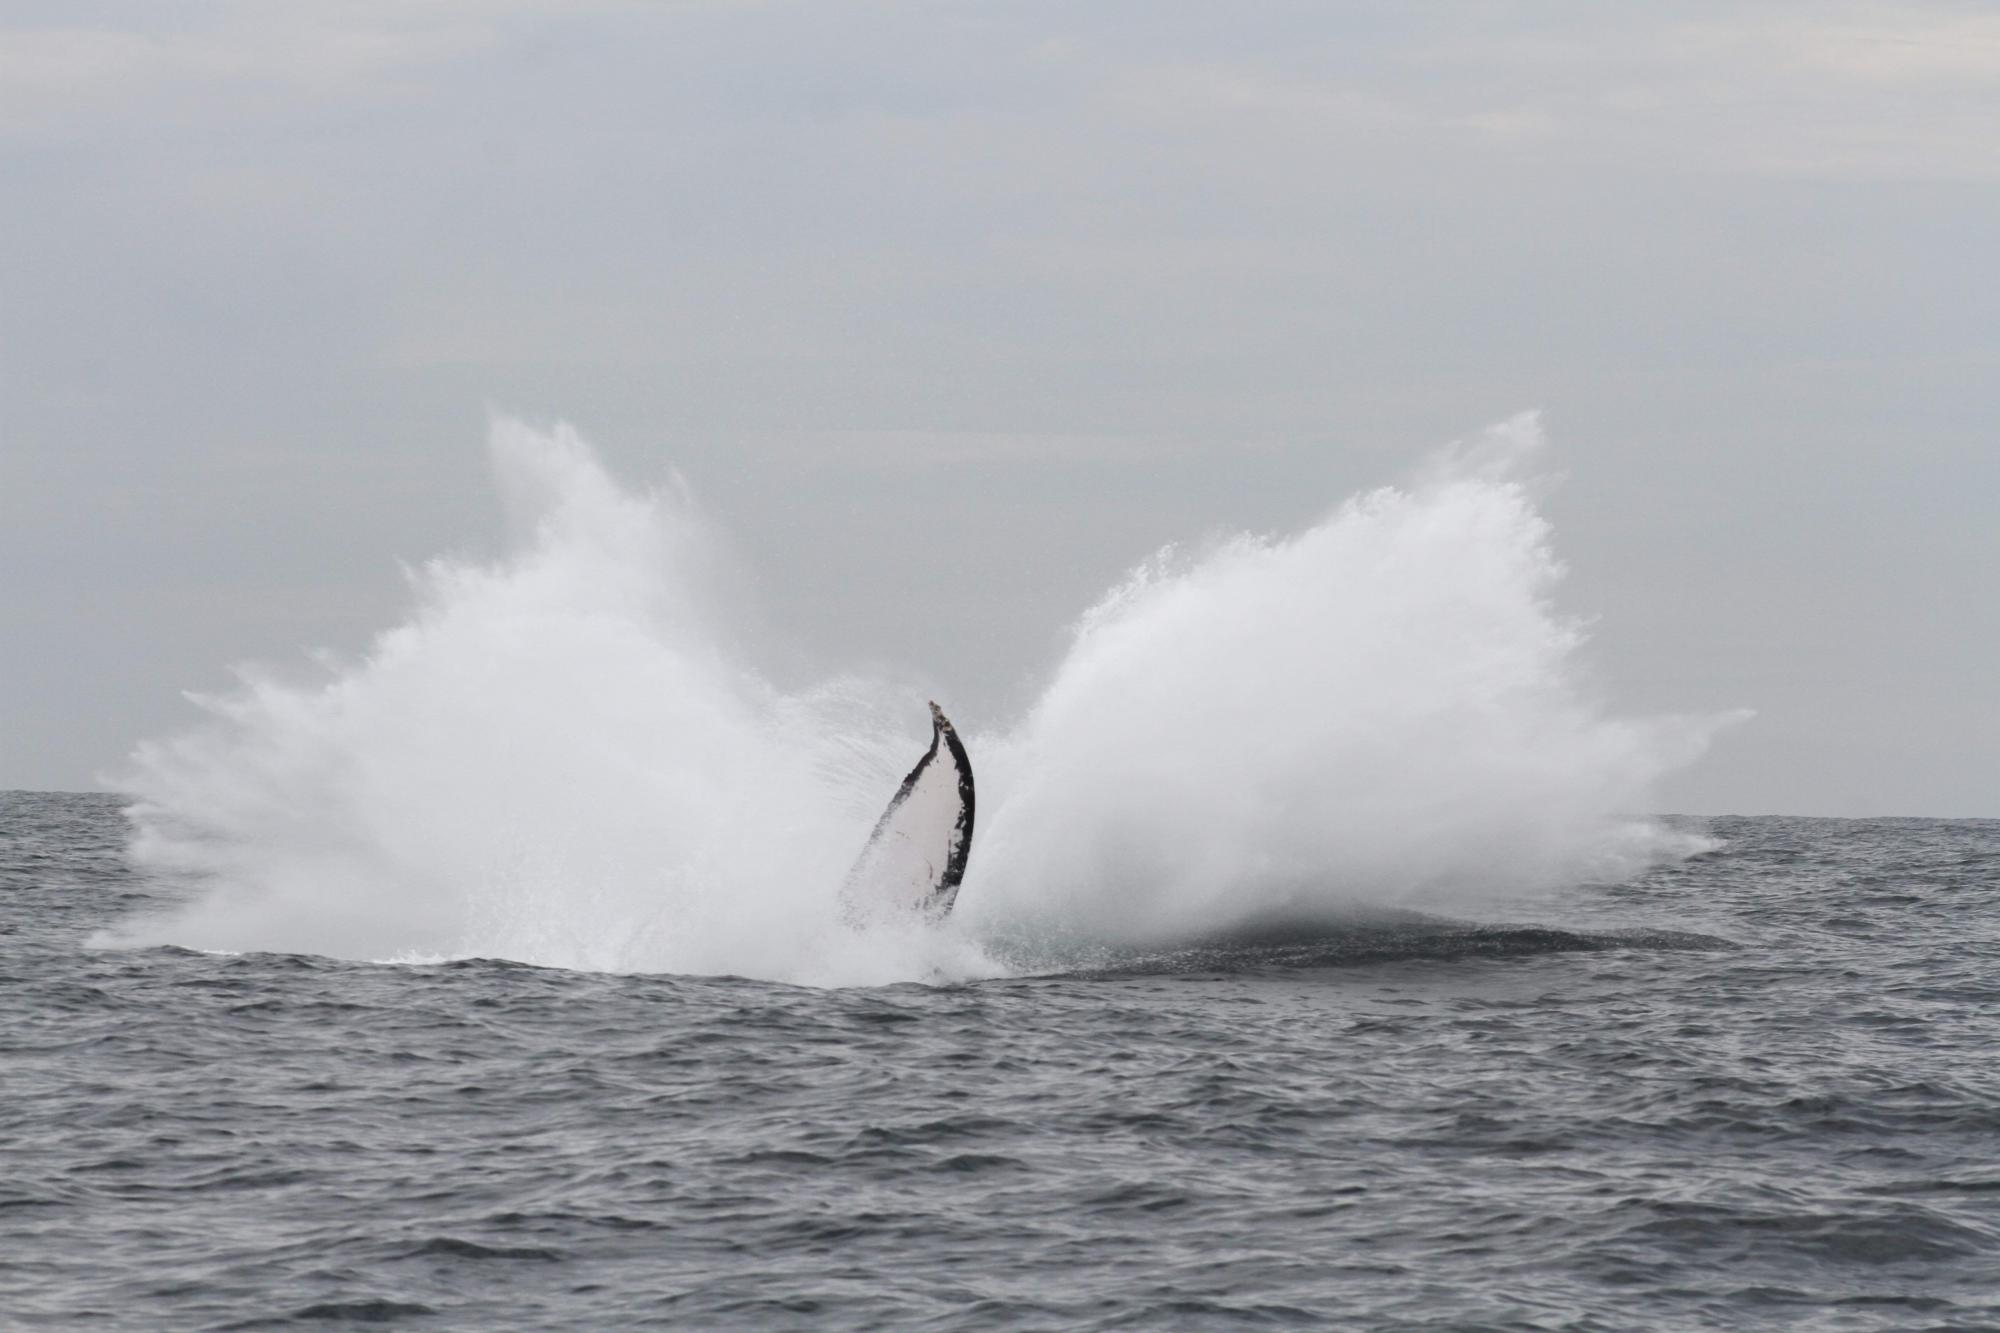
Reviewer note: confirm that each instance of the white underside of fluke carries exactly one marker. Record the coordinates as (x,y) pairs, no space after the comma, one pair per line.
(916,856)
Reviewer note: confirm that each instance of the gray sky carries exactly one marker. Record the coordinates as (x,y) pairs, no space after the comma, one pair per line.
(1059,281)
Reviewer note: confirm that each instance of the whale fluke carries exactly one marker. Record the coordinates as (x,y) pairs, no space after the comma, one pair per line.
(916,856)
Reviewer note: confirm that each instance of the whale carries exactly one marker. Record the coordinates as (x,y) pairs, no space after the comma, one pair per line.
(915,858)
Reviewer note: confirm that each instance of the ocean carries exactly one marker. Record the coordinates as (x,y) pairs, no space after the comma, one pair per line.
(1753,1086)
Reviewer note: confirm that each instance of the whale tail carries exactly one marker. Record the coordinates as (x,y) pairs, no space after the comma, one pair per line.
(916,856)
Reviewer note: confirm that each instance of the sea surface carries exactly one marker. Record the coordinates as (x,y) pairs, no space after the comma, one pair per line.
(1758,1088)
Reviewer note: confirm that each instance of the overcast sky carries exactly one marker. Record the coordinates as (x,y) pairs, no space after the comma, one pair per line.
(1030,288)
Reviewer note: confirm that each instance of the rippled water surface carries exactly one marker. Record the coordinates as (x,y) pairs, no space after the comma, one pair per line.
(1761,1087)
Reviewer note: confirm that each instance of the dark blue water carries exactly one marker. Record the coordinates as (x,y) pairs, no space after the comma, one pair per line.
(1760,1088)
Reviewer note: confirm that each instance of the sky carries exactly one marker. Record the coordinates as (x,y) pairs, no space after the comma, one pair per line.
(951,312)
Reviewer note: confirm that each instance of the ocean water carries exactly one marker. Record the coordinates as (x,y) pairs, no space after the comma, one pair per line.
(1310,968)
(1754,1086)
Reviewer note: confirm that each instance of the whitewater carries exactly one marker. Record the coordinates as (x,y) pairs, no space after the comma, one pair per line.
(565,757)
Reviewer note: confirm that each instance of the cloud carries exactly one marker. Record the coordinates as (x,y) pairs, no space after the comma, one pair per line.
(1905,92)
(929,448)
(1905,46)
(1827,92)
(68,82)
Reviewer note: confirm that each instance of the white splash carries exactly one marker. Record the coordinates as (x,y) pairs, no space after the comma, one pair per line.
(1383,705)
(560,759)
